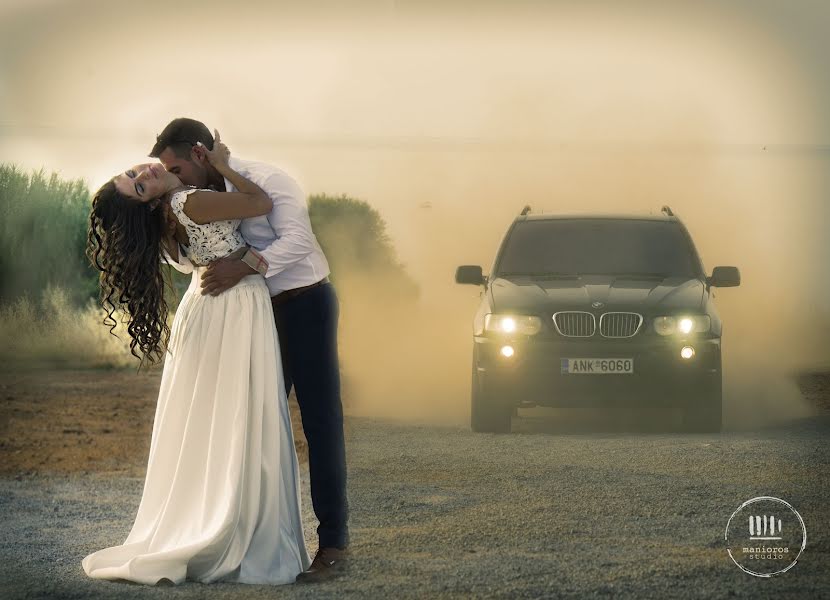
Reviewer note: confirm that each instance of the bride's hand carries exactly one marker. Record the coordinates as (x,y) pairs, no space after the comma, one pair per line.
(218,157)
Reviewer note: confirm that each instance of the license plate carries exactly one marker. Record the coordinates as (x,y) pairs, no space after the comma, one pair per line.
(597,366)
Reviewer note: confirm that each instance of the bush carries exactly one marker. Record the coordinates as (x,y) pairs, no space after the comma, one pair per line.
(43,235)
(55,333)
(354,239)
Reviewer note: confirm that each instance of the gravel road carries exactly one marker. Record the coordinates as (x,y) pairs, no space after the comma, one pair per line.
(443,512)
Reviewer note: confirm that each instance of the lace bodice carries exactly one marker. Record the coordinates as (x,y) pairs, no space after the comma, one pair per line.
(209,241)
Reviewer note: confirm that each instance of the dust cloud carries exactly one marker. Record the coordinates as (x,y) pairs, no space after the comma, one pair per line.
(411,358)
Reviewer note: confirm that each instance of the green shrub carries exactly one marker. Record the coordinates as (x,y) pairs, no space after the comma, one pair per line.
(354,239)
(43,235)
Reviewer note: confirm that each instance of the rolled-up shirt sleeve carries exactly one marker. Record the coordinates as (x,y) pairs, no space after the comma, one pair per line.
(182,266)
(290,221)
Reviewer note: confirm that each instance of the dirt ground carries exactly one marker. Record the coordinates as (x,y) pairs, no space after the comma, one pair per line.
(435,511)
(100,421)
(83,422)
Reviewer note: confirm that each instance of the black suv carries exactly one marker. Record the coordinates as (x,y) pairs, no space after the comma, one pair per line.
(597,311)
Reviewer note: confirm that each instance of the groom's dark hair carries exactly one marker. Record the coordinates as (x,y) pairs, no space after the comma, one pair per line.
(180,136)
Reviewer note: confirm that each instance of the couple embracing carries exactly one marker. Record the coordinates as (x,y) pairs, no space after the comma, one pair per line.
(221,499)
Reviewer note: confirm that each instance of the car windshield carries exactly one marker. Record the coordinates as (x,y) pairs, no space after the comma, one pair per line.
(571,247)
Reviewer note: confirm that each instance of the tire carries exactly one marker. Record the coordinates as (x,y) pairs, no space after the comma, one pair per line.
(487,415)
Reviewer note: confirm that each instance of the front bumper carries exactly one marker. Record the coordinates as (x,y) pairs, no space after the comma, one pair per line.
(532,376)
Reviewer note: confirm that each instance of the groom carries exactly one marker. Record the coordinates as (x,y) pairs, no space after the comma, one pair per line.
(305,310)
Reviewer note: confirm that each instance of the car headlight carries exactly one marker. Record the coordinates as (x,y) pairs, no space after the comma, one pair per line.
(512,324)
(684,324)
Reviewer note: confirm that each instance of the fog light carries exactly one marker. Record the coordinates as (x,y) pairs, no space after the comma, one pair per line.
(507,351)
(687,352)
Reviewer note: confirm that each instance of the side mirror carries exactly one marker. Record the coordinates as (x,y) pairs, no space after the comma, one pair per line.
(725,277)
(469,274)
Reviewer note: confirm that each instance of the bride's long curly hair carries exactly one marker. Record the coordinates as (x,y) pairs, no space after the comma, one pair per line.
(124,244)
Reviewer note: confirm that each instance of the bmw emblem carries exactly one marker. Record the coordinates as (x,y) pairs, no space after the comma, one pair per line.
(597,304)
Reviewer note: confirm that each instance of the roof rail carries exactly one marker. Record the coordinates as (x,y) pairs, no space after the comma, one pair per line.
(666,210)
(525,210)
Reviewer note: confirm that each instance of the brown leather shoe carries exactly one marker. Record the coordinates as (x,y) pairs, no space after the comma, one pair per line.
(327,563)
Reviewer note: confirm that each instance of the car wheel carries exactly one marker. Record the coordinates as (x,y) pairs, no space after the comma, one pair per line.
(487,414)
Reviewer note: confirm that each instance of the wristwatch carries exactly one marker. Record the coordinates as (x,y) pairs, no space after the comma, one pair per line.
(254,259)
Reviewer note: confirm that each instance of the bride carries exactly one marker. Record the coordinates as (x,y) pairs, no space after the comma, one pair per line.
(221,495)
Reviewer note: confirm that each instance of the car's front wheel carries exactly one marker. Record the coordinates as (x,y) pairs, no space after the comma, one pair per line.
(487,413)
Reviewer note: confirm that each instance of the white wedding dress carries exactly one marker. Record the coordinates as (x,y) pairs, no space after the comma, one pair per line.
(221,497)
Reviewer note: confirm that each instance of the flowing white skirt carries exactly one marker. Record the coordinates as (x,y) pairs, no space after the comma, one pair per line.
(221,498)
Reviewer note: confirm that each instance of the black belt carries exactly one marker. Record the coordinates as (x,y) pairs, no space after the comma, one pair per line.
(283,297)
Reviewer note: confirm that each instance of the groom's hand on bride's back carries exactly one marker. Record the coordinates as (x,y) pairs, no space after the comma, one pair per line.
(225,273)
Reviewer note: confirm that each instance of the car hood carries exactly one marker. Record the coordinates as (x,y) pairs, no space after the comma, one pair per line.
(647,296)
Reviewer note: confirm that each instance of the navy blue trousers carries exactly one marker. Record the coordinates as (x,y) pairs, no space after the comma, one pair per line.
(307,327)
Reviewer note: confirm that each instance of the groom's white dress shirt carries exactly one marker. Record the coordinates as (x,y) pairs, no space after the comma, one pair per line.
(283,237)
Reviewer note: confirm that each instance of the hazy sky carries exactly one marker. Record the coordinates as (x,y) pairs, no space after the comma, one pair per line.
(85,84)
